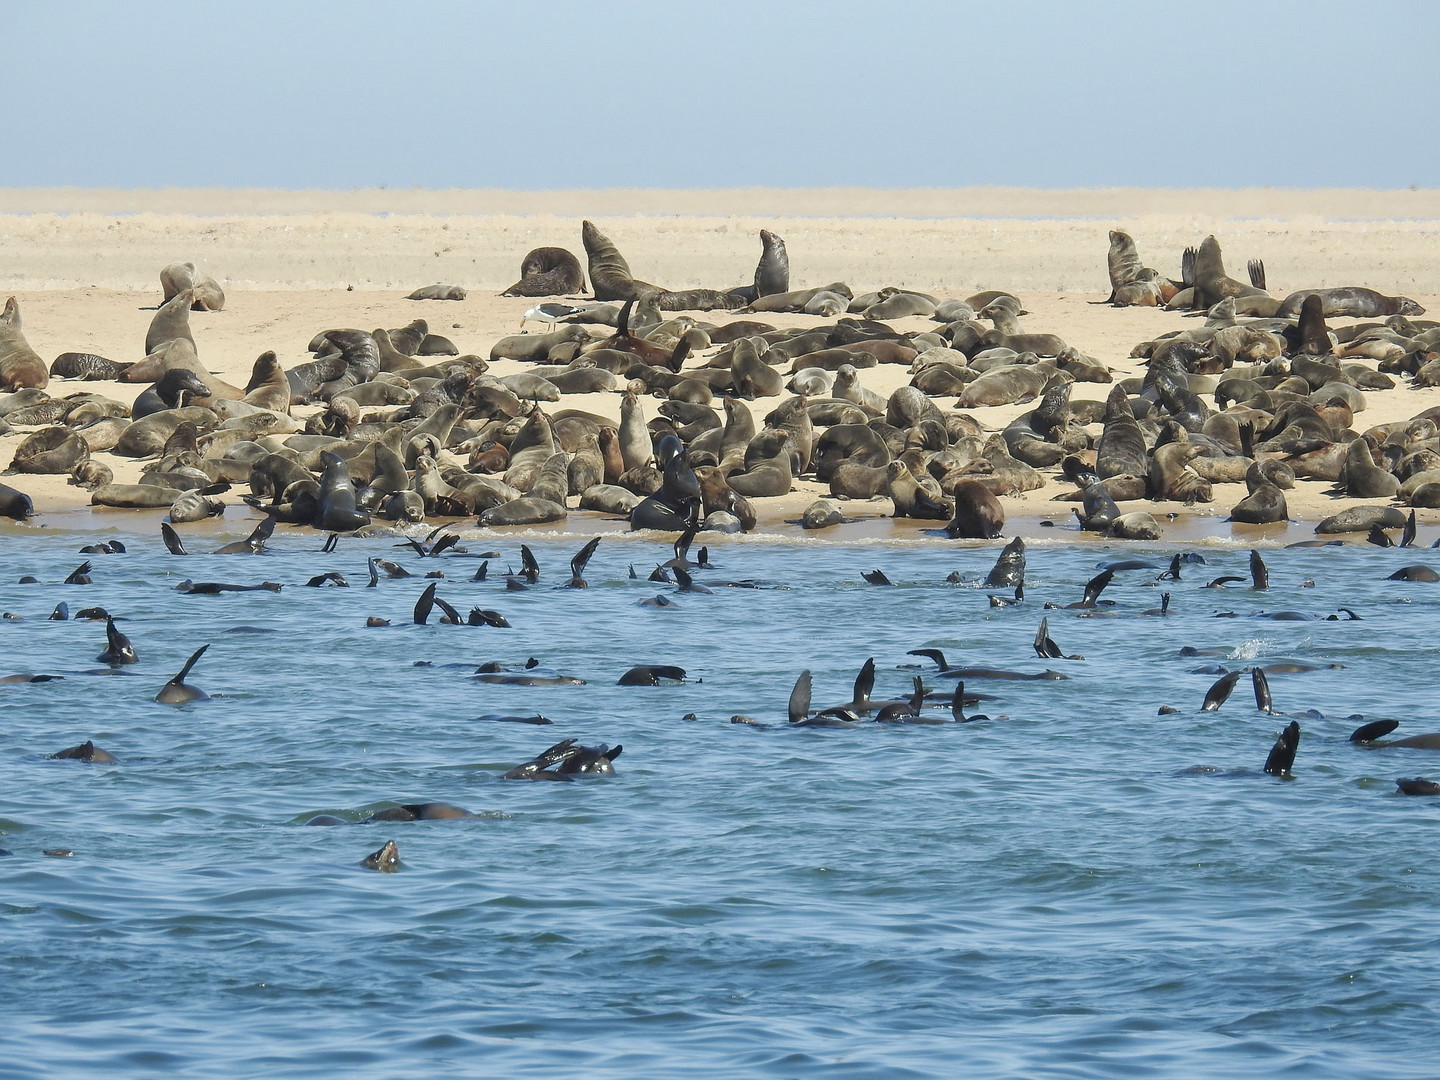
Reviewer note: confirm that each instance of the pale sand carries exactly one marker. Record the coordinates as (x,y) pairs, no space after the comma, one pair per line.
(84,266)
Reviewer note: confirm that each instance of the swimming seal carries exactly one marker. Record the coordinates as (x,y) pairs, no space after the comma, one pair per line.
(86,751)
(386,860)
(177,691)
(118,650)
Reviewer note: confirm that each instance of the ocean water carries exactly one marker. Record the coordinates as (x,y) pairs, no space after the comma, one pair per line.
(1081,887)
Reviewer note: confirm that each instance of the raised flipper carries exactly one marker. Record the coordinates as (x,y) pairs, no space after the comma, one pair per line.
(1187,267)
(800,699)
(529,568)
(1219,693)
(932,654)
(1407,534)
(1378,537)
(1045,647)
(451,615)
(1262,689)
(578,563)
(1095,586)
(1259,575)
(864,684)
(1282,754)
(424,604)
(876,577)
(1376,729)
(172,539)
(1256,269)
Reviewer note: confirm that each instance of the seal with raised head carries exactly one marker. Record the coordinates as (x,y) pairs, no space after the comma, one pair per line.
(20,365)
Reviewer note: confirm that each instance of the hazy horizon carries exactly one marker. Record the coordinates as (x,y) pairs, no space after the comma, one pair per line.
(451,96)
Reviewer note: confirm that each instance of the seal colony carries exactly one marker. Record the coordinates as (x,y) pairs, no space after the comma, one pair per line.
(623,409)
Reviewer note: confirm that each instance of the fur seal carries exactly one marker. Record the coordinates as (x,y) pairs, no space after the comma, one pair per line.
(337,510)
(85,366)
(566,760)
(15,504)
(1211,283)
(438,292)
(978,513)
(206,294)
(548,271)
(177,691)
(20,365)
(118,650)
(51,450)
(1351,302)
(86,751)
(386,860)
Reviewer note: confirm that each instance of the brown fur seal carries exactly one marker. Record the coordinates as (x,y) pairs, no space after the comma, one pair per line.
(207,294)
(171,321)
(51,450)
(549,271)
(438,292)
(1211,282)
(1351,301)
(20,365)
(978,513)
(268,387)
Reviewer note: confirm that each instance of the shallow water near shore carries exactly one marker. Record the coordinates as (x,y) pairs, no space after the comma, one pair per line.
(1058,893)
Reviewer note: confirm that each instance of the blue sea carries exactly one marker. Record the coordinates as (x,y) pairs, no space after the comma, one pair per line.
(1081,886)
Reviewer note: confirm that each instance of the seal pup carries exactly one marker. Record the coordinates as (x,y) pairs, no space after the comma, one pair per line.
(177,691)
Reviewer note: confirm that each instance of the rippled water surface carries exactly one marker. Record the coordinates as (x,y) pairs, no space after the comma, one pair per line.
(1061,892)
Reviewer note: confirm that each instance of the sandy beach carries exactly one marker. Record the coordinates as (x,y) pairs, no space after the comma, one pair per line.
(84,267)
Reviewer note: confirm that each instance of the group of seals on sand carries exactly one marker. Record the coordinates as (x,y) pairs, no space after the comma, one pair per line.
(420,430)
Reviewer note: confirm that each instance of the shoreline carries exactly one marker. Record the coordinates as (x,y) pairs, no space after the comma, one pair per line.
(269,267)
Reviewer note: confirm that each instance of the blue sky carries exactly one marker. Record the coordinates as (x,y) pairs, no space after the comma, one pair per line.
(440,94)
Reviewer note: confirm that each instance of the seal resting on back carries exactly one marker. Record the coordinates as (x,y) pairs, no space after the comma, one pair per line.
(548,271)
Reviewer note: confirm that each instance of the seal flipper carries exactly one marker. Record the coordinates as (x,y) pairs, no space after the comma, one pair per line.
(932,654)
(799,709)
(176,691)
(451,615)
(864,684)
(1045,647)
(1095,586)
(1219,693)
(1187,267)
(1407,534)
(1379,537)
(1262,689)
(1282,754)
(529,568)
(1376,729)
(1259,575)
(118,650)
(578,563)
(172,539)
(424,604)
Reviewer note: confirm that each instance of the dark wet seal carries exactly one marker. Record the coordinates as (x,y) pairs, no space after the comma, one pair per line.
(386,860)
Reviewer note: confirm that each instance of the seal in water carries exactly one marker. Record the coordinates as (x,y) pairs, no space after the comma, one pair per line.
(386,860)
(86,751)
(118,651)
(177,691)
(565,760)
(1371,733)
